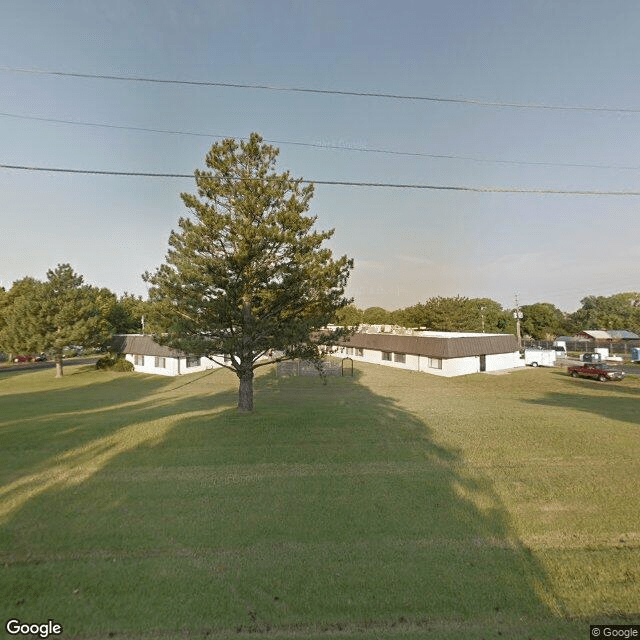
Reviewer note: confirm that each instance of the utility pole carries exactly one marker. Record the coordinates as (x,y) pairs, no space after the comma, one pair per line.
(517,314)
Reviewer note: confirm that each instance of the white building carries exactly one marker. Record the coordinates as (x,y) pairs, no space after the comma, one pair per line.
(437,352)
(148,356)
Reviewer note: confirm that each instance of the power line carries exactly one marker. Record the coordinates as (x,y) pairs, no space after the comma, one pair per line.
(365,94)
(341,183)
(316,145)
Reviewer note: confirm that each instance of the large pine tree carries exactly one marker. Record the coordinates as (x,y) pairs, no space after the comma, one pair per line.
(247,274)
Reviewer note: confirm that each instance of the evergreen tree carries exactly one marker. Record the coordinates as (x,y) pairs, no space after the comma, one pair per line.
(51,315)
(247,274)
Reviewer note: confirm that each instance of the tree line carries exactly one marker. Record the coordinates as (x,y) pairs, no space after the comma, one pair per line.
(51,315)
(540,321)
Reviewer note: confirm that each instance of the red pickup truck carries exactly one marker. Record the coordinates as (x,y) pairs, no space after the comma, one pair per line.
(597,371)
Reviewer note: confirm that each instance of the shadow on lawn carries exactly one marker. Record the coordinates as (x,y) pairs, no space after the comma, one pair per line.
(329,506)
(126,412)
(612,400)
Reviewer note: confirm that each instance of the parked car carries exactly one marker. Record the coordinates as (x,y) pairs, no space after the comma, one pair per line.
(597,371)
(40,358)
(22,358)
(591,357)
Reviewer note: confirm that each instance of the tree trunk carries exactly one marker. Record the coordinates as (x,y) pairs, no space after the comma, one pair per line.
(58,365)
(245,394)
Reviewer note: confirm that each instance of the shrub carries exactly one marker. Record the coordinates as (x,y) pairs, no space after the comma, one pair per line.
(122,365)
(114,363)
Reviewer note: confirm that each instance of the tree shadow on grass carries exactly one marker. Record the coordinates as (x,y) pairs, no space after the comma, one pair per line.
(54,449)
(612,400)
(331,508)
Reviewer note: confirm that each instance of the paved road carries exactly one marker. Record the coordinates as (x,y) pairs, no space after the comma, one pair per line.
(49,364)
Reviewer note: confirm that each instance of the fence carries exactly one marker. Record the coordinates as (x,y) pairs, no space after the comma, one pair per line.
(308,368)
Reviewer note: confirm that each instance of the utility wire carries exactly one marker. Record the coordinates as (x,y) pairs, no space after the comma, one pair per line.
(314,145)
(340,183)
(365,94)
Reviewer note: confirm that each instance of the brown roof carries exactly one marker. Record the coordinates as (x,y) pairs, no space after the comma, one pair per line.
(435,346)
(143,346)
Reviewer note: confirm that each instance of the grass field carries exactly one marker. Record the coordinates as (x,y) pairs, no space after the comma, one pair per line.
(393,504)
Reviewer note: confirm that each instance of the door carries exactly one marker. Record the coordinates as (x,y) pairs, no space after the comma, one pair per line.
(483,363)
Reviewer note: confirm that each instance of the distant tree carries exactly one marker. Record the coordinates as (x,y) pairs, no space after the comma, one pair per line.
(409,316)
(449,314)
(126,314)
(51,315)
(15,331)
(247,274)
(376,315)
(618,311)
(489,317)
(542,321)
(349,316)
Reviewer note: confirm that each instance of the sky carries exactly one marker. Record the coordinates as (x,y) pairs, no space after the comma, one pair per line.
(408,244)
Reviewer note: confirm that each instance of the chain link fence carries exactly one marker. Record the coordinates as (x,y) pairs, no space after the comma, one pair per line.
(309,369)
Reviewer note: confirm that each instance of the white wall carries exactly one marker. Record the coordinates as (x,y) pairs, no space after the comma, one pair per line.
(500,361)
(450,366)
(172,367)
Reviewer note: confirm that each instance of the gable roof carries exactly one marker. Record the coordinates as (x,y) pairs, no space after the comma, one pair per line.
(597,334)
(623,334)
(141,345)
(610,334)
(436,346)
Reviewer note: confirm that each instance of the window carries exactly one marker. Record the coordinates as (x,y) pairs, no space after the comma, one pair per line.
(434,363)
(161,363)
(386,356)
(349,351)
(400,357)
(193,361)
(227,358)
(359,352)
(138,360)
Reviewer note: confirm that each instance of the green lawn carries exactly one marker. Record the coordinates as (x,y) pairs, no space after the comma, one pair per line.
(393,504)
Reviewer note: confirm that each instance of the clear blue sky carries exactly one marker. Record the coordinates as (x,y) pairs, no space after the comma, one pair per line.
(408,245)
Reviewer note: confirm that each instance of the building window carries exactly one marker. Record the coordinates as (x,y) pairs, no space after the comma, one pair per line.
(349,351)
(193,361)
(138,361)
(161,363)
(434,363)
(400,357)
(360,352)
(386,356)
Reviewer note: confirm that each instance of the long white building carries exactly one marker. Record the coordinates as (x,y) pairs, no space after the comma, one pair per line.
(437,352)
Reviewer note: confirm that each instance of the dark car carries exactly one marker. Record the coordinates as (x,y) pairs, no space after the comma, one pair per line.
(23,358)
(600,372)
(40,358)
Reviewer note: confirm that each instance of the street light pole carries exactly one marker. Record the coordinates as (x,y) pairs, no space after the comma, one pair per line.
(517,314)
